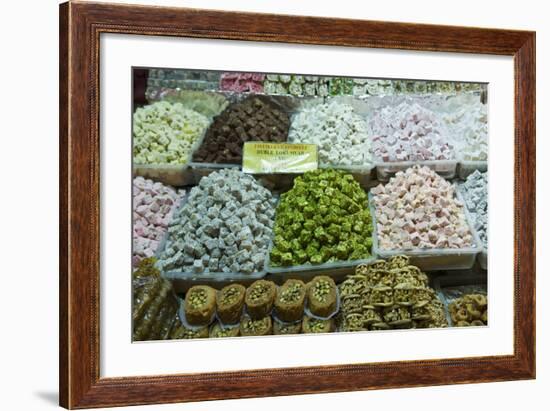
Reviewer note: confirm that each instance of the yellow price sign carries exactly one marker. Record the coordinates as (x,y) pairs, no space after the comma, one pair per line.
(272,158)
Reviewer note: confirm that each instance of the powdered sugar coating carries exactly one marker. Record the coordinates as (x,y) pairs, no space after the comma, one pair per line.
(474,191)
(339,132)
(468,125)
(225,226)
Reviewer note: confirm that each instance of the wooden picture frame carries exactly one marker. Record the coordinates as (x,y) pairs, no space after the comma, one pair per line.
(80,27)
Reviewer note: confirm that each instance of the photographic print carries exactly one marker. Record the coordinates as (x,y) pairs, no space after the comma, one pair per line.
(283,203)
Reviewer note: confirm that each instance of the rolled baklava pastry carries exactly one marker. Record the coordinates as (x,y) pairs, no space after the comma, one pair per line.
(282,328)
(315,326)
(200,305)
(259,298)
(250,327)
(217,331)
(290,301)
(321,296)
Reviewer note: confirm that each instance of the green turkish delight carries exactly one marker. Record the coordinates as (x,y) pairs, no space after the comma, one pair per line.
(323,218)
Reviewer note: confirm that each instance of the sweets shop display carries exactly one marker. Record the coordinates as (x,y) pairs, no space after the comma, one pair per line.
(387,229)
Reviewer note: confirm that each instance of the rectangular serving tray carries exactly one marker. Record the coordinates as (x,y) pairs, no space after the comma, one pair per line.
(432,259)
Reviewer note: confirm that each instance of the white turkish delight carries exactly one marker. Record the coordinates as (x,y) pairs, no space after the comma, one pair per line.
(214,229)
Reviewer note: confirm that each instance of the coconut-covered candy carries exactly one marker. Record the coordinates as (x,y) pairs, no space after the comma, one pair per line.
(224,226)
(166,133)
(253,119)
(417,209)
(323,218)
(474,191)
(409,132)
(339,132)
(153,204)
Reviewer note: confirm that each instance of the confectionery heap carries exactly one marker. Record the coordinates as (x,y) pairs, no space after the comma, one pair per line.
(469,126)
(469,310)
(242,82)
(340,134)
(409,132)
(206,103)
(153,204)
(224,226)
(296,85)
(323,218)
(252,119)
(418,209)
(390,294)
(166,133)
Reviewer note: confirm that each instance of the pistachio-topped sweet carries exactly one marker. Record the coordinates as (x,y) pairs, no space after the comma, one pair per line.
(282,328)
(217,331)
(389,294)
(259,298)
(182,332)
(200,305)
(290,300)
(230,302)
(469,310)
(322,296)
(250,327)
(323,218)
(315,326)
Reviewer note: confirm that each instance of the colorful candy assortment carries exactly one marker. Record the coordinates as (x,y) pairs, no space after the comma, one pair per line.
(242,82)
